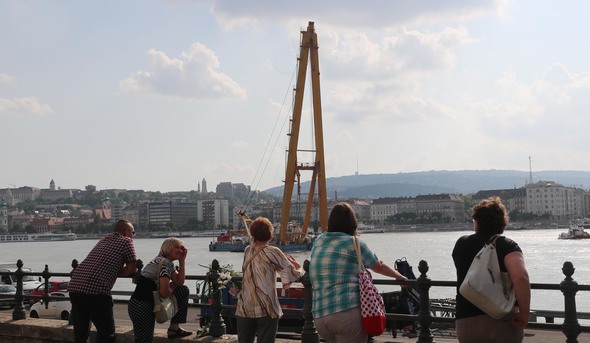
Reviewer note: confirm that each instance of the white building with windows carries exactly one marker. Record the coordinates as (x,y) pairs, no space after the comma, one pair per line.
(213,212)
(561,202)
(383,208)
(3,218)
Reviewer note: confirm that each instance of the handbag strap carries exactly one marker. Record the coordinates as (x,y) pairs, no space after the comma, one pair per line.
(493,239)
(247,263)
(357,249)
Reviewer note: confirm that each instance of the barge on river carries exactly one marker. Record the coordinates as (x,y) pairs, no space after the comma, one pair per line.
(37,237)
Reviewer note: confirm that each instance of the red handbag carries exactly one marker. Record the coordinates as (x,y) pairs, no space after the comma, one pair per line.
(372,306)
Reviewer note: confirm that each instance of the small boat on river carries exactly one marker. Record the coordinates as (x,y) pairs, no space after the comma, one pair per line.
(366,228)
(574,232)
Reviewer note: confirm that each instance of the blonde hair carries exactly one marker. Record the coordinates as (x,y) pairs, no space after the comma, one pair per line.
(168,245)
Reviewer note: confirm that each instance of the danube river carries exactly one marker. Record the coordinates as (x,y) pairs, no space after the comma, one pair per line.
(544,256)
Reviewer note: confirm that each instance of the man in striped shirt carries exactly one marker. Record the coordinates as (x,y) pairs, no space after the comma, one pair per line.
(92,282)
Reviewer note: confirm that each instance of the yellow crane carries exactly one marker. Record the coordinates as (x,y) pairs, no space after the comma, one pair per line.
(309,51)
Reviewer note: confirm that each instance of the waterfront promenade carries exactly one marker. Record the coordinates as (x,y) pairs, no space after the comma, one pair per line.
(33,330)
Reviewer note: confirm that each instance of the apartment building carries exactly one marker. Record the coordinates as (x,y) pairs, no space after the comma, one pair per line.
(561,202)
(362,209)
(513,199)
(213,212)
(178,213)
(3,217)
(383,208)
(450,207)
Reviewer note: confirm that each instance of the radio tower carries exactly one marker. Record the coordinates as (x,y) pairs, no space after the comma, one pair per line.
(530,171)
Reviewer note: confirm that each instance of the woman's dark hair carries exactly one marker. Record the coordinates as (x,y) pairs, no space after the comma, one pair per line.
(342,219)
(261,229)
(490,215)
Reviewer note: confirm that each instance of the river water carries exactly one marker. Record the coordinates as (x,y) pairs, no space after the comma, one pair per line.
(544,256)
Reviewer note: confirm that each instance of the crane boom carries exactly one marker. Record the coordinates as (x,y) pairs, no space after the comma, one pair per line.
(309,51)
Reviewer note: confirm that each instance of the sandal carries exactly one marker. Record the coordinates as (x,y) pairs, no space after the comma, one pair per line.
(178,333)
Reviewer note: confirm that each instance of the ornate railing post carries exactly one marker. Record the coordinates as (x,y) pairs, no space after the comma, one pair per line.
(19,310)
(309,333)
(71,317)
(569,288)
(424,316)
(217,326)
(46,275)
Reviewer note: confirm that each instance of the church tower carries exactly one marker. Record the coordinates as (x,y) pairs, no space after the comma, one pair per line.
(52,185)
(204,186)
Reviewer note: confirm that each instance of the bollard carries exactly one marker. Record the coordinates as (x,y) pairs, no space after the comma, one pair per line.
(217,326)
(46,276)
(19,310)
(424,315)
(309,333)
(569,288)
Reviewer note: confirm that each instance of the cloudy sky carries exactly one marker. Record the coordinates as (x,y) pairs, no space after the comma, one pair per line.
(158,95)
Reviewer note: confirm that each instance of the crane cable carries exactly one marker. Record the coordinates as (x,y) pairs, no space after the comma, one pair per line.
(250,194)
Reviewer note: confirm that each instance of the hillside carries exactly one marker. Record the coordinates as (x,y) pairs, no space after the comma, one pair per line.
(434,182)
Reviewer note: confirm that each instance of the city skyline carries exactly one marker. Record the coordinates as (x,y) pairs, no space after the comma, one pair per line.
(159,96)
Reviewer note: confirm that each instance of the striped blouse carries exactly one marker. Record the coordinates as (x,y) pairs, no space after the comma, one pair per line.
(258,297)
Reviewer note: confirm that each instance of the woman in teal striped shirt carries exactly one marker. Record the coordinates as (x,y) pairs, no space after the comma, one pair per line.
(334,275)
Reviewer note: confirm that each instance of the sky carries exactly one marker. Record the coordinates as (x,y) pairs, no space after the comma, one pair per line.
(159,95)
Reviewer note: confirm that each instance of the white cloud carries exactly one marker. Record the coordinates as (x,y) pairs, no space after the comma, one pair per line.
(28,105)
(5,78)
(192,75)
(241,145)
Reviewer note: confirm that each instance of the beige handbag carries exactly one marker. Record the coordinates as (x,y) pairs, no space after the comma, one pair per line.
(164,307)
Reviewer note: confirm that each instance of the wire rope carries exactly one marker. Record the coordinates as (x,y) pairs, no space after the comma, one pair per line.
(258,175)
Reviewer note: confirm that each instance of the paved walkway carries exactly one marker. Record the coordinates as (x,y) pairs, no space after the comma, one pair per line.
(531,336)
(125,330)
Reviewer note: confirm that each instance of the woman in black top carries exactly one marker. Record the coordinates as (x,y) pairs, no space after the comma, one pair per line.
(472,324)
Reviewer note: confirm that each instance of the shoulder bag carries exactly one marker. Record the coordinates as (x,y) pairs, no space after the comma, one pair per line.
(372,307)
(164,307)
(486,286)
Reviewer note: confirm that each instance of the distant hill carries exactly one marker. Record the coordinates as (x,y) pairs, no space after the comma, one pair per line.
(435,182)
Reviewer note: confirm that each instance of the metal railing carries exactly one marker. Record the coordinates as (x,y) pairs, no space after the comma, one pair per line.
(570,327)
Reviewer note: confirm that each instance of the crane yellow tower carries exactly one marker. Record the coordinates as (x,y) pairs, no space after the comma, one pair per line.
(308,51)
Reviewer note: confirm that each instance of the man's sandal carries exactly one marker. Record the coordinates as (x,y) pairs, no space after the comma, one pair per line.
(178,333)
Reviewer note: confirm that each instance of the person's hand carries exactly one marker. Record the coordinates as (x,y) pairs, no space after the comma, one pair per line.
(294,262)
(519,319)
(184,252)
